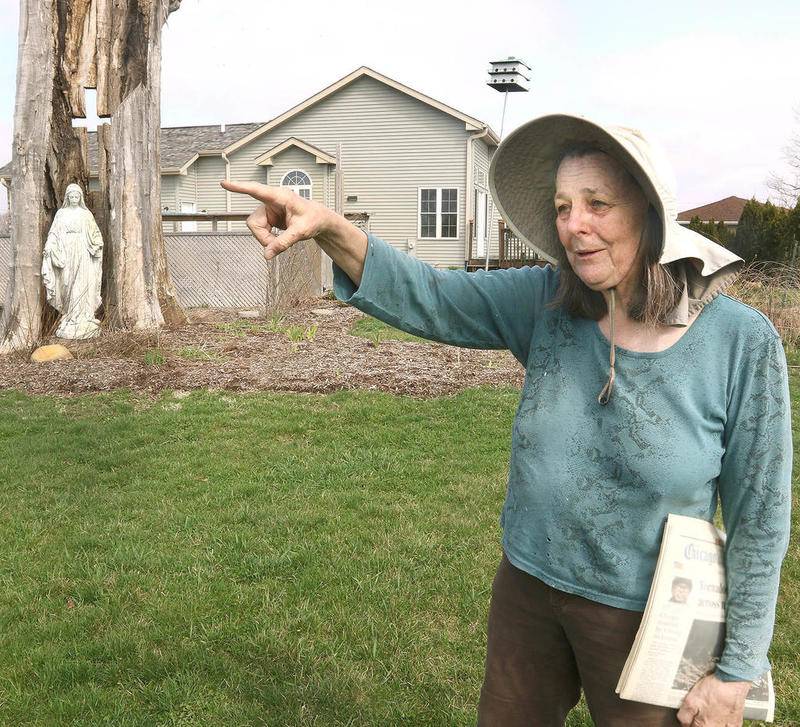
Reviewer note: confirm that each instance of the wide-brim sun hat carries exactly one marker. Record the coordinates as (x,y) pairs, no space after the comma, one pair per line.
(522,180)
(522,183)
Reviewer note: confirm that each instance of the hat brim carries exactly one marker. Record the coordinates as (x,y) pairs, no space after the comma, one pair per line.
(523,170)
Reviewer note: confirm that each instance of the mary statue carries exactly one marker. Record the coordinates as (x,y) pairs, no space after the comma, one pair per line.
(72,267)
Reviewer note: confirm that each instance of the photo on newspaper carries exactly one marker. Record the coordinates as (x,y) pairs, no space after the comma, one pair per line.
(682,633)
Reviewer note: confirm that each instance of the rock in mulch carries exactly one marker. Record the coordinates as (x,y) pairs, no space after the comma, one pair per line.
(54,352)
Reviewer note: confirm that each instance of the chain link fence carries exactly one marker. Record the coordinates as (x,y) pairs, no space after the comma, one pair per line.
(227,270)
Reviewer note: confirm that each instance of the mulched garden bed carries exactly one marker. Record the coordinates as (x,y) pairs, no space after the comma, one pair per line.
(218,349)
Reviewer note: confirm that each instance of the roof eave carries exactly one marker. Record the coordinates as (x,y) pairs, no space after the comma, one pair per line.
(321,156)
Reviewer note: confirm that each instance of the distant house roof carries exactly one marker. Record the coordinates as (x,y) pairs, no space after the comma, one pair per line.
(180,145)
(725,210)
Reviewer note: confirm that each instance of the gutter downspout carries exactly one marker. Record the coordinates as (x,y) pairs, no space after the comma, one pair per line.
(484,132)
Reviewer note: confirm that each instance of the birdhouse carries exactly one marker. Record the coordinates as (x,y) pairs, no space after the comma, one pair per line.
(511,74)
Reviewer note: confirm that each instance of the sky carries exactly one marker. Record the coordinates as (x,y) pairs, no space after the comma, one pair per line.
(714,82)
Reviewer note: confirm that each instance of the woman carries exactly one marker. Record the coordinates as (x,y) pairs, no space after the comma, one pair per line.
(646,392)
(72,266)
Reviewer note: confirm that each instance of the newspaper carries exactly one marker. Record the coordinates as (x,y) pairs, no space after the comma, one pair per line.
(682,633)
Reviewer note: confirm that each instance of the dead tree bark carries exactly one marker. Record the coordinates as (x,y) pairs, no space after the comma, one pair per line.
(139,291)
(66,46)
(47,155)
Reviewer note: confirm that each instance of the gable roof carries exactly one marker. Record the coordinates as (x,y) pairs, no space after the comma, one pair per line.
(470,122)
(724,210)
(182,145)
(322,157)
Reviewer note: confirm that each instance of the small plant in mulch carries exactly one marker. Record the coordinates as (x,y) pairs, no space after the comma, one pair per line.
(237,328)
(117,345)
(242,328)
(310,332)
(376,331)
(298,334)
(154,357)
(194,353)
(88,351)
(275,324)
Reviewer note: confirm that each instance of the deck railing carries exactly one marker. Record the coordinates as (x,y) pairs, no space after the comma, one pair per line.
(213,217)
(512,251)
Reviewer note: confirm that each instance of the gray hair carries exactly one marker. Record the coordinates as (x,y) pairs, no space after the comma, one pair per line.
(657,293)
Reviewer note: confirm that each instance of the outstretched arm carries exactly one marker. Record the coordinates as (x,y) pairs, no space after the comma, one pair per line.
(496,309)
(302,219)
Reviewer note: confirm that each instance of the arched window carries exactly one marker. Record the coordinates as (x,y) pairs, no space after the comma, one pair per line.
(298,181)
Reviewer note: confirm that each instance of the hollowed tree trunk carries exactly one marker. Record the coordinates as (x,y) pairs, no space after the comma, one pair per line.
(139,293)
(66,46)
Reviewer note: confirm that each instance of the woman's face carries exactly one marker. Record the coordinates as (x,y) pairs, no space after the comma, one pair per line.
(73,198)
(600,217)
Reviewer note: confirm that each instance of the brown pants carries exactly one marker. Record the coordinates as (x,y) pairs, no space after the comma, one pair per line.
(544,645)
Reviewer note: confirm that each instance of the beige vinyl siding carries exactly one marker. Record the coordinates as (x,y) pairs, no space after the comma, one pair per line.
(391,145)
(210,196)
(169,187)
(186,188)
(245,170)
(330,186)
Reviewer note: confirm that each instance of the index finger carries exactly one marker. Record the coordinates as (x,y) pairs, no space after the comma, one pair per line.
(261,192)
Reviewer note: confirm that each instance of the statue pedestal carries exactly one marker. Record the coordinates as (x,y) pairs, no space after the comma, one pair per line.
(78,329)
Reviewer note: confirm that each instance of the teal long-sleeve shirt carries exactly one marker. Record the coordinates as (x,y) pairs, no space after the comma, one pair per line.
(590,486)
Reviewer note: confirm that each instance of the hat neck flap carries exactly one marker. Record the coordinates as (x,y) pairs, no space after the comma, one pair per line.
(705,270)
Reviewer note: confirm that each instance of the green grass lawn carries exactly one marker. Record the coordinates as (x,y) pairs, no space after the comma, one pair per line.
(260,559)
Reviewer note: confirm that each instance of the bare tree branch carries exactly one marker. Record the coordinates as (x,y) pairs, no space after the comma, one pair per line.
(787,187)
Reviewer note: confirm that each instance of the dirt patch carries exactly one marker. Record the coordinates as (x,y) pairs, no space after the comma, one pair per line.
(219,350)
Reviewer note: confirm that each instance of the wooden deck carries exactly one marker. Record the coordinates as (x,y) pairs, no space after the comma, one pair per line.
(479,263)
(513,253)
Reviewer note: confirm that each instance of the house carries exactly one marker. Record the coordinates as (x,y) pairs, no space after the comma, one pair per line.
(728,211)
(398,163)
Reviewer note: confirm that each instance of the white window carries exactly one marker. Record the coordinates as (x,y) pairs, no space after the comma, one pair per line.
(438,213)
(298,181)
